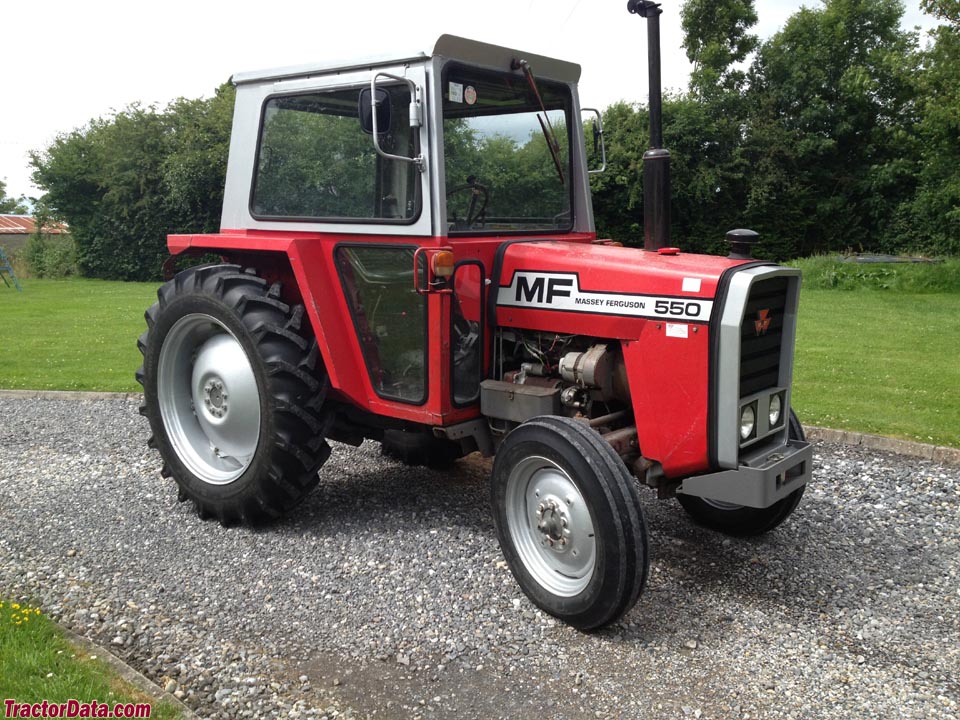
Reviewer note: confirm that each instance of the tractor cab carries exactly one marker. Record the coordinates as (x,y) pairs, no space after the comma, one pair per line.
(428,159)
(470,140)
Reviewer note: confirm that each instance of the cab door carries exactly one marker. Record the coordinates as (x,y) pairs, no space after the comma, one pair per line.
(389,316)
(351,172)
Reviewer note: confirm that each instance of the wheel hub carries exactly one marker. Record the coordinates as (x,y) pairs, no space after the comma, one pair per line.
(221,364)
(209,399)
(215,397)
(553,523)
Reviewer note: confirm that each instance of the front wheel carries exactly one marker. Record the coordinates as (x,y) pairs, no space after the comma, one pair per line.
(569,521)
(740,520)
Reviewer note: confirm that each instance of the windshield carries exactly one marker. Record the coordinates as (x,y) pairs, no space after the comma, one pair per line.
(501,175)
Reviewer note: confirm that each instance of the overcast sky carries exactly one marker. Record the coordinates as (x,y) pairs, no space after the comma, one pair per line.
(67,62)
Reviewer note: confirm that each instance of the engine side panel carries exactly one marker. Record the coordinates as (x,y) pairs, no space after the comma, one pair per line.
(658,306)
(668,378)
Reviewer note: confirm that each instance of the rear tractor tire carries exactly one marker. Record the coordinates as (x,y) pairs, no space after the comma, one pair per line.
(739,520)
(569,521)
(234,390)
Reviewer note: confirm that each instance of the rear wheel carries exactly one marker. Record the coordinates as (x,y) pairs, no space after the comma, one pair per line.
(234,390)
(569,521)
(740,520)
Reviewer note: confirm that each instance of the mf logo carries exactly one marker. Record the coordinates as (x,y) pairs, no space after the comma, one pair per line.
(528,291)
(561,291)
(762,323)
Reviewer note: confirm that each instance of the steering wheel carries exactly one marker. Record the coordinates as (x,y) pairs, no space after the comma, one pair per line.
(477,192)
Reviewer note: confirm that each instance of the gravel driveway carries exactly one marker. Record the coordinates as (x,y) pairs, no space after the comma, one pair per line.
(386,595)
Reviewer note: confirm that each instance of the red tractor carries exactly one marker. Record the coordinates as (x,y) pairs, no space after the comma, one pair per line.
(409,256)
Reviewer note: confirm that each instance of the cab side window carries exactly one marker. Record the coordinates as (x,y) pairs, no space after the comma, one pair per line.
(315,162)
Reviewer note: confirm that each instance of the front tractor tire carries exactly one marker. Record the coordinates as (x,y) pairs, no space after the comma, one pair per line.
(234,390)
(569,521)
(740,520)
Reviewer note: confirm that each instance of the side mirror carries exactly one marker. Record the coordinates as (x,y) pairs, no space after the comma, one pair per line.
(599,147)
(380,115)
(365,111)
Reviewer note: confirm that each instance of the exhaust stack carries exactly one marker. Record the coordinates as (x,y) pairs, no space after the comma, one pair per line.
(656,160)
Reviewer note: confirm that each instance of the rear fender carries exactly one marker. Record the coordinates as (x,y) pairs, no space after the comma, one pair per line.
(280,261)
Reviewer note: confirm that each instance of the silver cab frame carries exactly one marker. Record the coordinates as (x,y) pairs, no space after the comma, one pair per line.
(424,70)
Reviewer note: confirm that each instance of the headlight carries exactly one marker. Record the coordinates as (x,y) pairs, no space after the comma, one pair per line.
(748,421)
(776,409)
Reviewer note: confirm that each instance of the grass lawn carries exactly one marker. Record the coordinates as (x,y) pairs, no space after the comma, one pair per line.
(37,663)
(879,362)
(72,334)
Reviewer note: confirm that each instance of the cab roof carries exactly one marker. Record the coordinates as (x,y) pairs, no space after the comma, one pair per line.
(450,47)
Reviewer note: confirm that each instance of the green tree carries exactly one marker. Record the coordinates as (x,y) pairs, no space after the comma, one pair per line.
(707,174)
(946,10)
(831,131)
(9,205)
(936,208)
(705,127)
(124,182)
(717,40)
(49,255)
(105,180)
(194,171)
(618,192)
(819,147)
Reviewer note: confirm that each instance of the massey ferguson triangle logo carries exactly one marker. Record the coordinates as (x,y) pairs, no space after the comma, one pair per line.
(762,323)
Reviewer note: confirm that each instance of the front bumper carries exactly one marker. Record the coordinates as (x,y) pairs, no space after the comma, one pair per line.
(763,478)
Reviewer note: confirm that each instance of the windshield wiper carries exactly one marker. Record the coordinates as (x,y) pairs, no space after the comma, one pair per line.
(545,124)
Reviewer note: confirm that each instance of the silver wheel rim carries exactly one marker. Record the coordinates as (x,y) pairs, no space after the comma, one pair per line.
(721,505)
(208,399)
(550,526)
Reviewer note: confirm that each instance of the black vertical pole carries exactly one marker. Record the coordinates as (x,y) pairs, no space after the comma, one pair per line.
(656,160)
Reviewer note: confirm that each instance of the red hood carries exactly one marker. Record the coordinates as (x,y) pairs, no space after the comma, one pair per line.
(604,290)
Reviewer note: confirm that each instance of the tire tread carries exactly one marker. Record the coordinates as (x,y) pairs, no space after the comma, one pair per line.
(296,379)
(623,577)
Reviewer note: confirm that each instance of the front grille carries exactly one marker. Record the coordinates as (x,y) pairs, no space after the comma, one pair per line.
(760,353)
